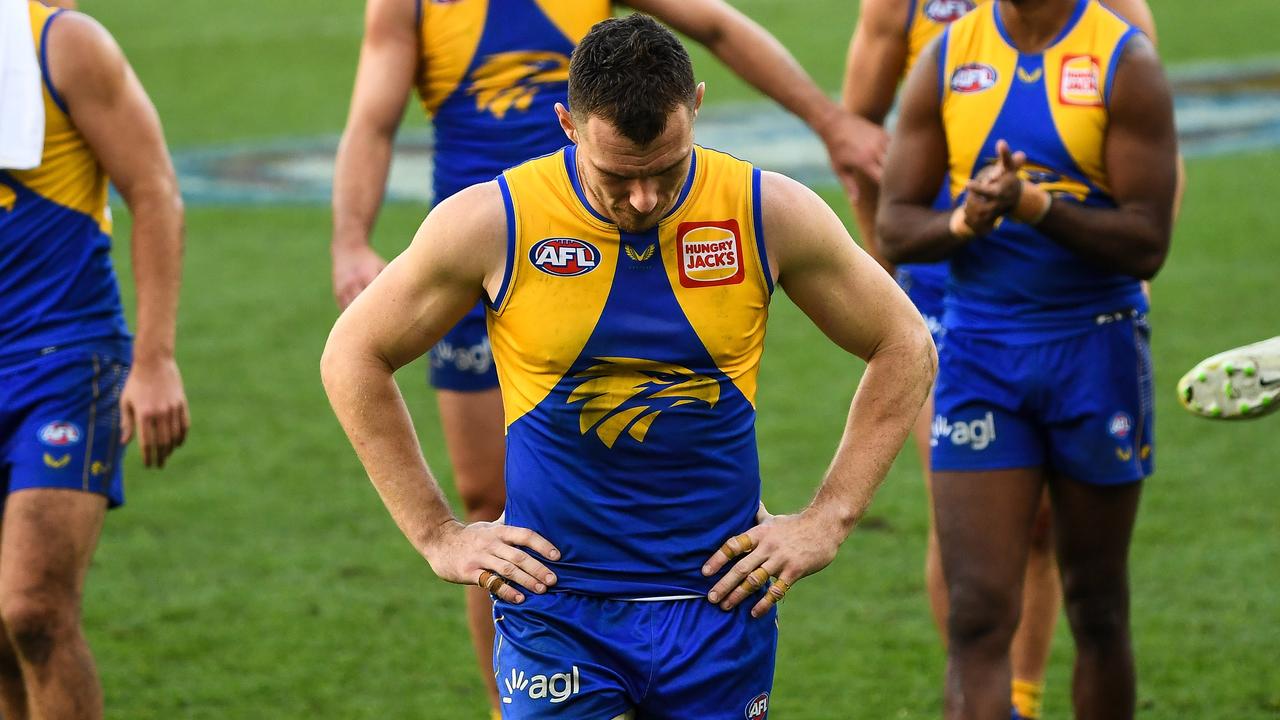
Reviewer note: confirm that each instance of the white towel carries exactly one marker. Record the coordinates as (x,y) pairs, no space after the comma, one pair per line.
(21,96)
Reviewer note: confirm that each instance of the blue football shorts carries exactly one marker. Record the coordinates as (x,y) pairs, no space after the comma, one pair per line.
(925,286)
(462,360)
(569,656)
(1081,405)
(60,421)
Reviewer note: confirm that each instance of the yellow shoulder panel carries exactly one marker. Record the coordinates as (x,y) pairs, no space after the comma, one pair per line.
(978,72)
(449,36)
(575,17)
(548,224)
(711,254)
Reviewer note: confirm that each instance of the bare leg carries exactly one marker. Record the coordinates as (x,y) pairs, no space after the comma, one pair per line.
(1093,525)
(13,693)
(984,520)
(49,539)
(935,584)
(1040,601)
(474,433)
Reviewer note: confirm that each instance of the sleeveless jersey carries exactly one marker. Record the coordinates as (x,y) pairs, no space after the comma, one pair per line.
(57,285)
(1016,281)
(628,366)
(490,74)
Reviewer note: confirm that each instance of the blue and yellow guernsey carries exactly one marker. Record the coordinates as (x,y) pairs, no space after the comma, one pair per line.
(628,366)
(1015,281)
(57,285)
(490,74)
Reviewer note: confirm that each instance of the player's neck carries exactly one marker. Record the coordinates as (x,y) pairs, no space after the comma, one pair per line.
(1033,24)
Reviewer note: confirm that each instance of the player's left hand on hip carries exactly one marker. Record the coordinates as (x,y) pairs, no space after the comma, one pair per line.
(855,145)
(783,547)
(153,406)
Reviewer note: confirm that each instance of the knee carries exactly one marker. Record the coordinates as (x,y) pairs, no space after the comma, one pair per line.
(35,624)
(483,501)
(981,615)
(1098,619)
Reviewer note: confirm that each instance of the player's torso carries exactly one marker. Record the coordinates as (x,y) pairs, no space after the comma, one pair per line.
(56,282)
(628,367)
(491,72)
(1053,107)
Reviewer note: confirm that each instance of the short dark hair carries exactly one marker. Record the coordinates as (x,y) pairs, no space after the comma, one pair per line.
(633,72)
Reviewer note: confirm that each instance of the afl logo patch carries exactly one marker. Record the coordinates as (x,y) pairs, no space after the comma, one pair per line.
(758,708)
(972,78)
(60,434)
(710,253)
(1080,86)
(565,257)
(1120,426)
(946,12)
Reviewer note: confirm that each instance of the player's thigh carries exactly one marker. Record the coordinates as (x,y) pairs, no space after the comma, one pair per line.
(46,548)
(1093,526)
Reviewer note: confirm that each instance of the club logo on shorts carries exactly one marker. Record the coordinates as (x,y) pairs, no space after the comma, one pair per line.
(1120,425)
(710,253)
(1080,84)
(977,433)
(758,708)
(947,11)
(564,257)
(628,394)
(973,78)
(60,434)
(557,687)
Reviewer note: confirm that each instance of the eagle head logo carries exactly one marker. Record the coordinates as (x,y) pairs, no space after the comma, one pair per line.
(627,394)
(512,79)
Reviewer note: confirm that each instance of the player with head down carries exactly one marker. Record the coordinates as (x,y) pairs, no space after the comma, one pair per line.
(627,280)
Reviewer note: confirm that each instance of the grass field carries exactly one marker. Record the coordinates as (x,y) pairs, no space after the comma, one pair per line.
(259,577)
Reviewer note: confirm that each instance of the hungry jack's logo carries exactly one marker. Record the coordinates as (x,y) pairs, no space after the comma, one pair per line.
(710,253)
(628,394)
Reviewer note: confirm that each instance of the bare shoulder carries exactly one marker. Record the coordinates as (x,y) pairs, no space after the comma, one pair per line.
(799,227)
(466,233)
(83,56)
(884,17)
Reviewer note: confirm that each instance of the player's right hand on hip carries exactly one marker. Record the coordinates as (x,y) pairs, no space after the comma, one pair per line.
(353,269)
(493,556)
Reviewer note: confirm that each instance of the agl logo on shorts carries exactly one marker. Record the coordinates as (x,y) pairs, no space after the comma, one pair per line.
(977,433)
(565,257)
(558,687)
(710,253)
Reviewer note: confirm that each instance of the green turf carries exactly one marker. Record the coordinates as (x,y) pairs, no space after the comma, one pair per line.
(259,577)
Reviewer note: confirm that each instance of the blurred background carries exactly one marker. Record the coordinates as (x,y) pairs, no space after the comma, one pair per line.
(259,576)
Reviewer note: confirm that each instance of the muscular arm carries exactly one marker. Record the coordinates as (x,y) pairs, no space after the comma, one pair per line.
(384,78)
(908,227)
(757,57)
(402,313)
(861,309)
(457,255)
(1140,155)
(112,112)
(877,55)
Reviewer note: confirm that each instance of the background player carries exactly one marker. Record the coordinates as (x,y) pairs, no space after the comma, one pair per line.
(489,74)
(608,268)
(65,404)
(890,36)
(1018,406)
